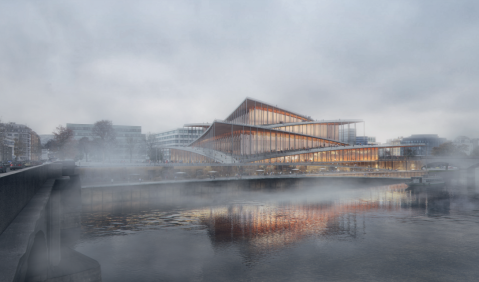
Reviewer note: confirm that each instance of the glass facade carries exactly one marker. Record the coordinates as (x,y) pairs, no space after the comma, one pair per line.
(241,140)
(262,133)
(258,113)
(342,155)
(321,130)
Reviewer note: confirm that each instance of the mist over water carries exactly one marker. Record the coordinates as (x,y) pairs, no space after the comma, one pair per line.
(303,233)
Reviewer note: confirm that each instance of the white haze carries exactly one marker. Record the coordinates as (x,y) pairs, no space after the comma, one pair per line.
(406,67)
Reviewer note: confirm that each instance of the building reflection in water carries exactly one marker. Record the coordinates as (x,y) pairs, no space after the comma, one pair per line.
(267,226)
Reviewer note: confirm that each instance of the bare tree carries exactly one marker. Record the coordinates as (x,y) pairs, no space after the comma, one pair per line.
(150,146)
(51,145)
(37,150)
(64,138)
(36,146)
(151,151)
(449,149)
(103,129)
(20,149)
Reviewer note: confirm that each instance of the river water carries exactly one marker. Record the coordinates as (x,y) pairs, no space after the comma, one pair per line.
(319,232)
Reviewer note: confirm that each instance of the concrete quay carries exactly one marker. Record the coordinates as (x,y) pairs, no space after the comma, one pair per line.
(388,178)
(40,214)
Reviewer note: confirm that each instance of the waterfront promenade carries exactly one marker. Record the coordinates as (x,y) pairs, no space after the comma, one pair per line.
(399,176)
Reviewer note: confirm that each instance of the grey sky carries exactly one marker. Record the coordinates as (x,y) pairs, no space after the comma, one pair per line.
(405,67)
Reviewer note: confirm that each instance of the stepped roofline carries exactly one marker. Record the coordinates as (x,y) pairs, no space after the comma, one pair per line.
(251,102)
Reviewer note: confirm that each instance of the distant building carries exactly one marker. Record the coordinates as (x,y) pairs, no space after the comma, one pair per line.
(430,141)
(347,135)
(466,144)
(7,149)
(123,133)
(179,137)
(22,135)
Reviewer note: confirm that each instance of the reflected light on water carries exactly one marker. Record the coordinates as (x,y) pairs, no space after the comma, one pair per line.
(293,234)
(264,226)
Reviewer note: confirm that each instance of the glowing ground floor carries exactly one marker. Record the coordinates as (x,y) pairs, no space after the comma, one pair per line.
(114,176)
(354,156)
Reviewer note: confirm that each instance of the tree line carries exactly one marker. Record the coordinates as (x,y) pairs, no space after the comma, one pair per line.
(449,149)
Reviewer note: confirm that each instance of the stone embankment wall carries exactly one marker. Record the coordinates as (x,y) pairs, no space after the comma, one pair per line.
(18,187)
(41,210)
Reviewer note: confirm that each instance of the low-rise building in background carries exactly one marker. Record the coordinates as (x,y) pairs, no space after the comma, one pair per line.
(178,137)
(429,140)
(127,138)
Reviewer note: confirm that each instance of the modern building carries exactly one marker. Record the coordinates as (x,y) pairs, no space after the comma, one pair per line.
(126,137)
(179,137)
(258,132)
(429,140)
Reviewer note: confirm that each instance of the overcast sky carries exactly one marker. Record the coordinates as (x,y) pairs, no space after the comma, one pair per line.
(405,67)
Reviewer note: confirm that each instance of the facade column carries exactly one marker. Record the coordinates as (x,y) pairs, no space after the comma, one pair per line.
(246,112)
(254,113)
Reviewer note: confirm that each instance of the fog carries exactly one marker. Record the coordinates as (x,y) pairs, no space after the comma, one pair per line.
(306,232)
(406,67)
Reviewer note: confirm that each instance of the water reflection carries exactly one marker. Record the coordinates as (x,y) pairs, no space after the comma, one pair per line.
(347,234)
(264,225)
(431,203)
